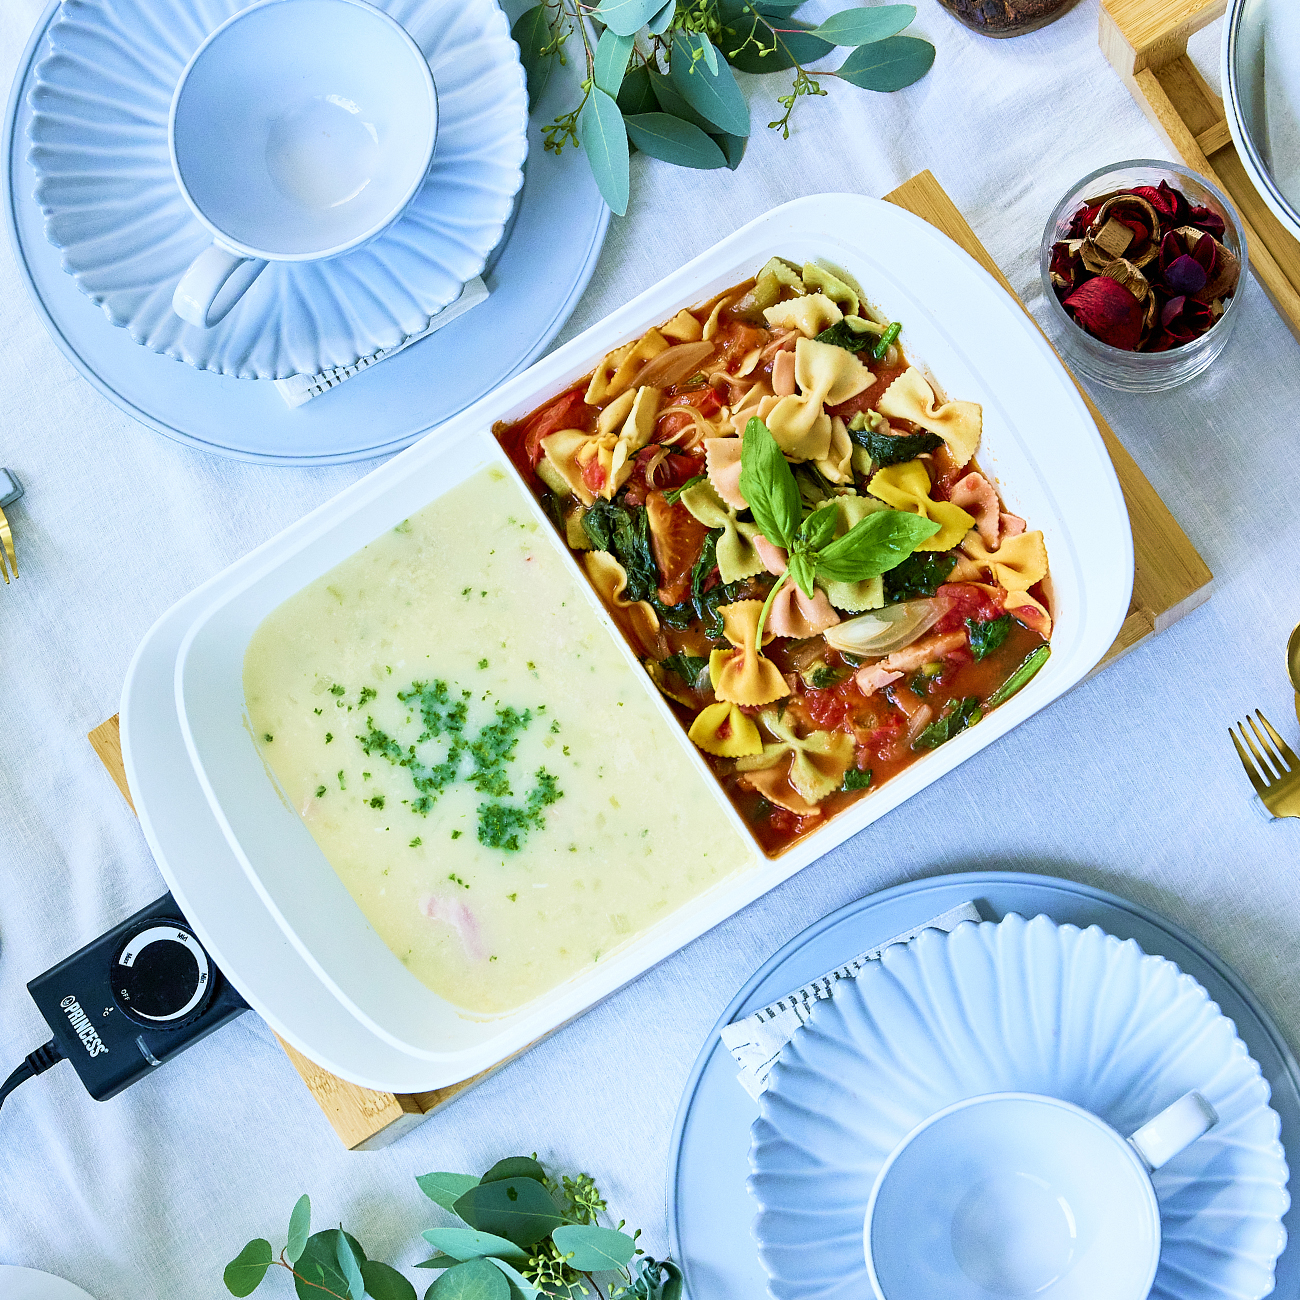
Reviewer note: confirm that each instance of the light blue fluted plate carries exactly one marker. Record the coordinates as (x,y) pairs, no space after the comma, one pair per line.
(536,277)
(710,1210)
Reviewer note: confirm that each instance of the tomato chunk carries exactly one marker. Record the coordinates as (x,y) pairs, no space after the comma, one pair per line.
(568,411)
(677,538)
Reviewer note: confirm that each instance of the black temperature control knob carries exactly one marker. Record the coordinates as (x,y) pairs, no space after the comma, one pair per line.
(161,976)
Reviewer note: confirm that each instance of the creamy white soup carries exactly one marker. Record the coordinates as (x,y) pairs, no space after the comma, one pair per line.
(474,756)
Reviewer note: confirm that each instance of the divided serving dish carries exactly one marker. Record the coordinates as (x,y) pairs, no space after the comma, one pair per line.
(1039,443)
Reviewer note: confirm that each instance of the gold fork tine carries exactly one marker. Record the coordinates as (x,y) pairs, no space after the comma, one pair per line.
(1260,786)
(7,548)
(1287,752)
(1279,769)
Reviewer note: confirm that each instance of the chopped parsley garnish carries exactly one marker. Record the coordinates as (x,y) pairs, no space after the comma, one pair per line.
(856,780)
(482,663)
(329,735)
(415,843)
(320,792)
(266,736)
(377,801)
(338,690)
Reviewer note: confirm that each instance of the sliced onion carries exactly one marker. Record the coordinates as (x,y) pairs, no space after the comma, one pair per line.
(917,723)
(882,631)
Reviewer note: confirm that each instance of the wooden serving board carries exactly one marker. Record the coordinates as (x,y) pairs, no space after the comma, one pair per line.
(1170,580)
(1146,43)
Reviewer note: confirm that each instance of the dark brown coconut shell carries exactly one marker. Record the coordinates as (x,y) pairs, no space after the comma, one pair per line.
(1006,17)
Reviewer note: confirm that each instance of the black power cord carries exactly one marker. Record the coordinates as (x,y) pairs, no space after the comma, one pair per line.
(37,1063)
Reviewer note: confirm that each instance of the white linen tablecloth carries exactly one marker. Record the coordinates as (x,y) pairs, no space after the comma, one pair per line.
(1129,783)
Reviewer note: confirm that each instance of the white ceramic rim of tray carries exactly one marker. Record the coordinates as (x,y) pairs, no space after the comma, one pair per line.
(1033,413)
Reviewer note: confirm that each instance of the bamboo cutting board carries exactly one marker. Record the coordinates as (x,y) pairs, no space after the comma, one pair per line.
(1170,580)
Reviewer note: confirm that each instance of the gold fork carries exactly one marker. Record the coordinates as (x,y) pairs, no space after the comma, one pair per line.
(1279,785)
(10,490)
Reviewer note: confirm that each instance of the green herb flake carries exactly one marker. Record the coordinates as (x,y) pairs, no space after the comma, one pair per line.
(343,784)
(266,736)
(456,880)
(317,712)
(855,779)
(320,792)
(455,835)
(987,637)
(377,801)
(329,736)
(482,663)
(415,843)
(956,717)
(338,690)
(513,897)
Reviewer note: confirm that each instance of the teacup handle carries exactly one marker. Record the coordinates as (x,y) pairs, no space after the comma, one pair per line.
(1159,1140)
(213,283)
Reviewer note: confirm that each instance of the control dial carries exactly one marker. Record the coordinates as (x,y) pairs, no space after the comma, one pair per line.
(161,977)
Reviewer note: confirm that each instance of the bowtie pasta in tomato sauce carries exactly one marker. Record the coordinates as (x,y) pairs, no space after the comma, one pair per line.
(787,521)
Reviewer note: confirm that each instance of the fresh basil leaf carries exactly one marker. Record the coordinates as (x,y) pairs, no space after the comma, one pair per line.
(520,1287)
(874,545)
(732,146)
(894,448)
(713,94)
(594,1249)
(862,26)
(802,573)
(888,65)
(349,1265)
(627,17)
(637,95)
(854,779)
(1028,667)
(476,1279)
(819,528)
(299,1229)
(517,1208)
(515,1167)
(986,637)
(670,100)
(602,134)
(669,138)
(767,483)
(612,54)
(921,574)
(447,1189)
(955,719)
(748,42)
(532,33)
(690,668)
(244,1273)
(843,335)
(658,24)
(466,1243)
(384,1282)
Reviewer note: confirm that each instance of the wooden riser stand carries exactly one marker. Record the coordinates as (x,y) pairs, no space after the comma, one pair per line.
(1146,43)
(1170,580)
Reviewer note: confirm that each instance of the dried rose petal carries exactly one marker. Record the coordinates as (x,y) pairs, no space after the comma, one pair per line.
(1206,219)
(1083,219)
(1063,267)
(1108,311)
(1184,319)
(1185,275)
(1166,200)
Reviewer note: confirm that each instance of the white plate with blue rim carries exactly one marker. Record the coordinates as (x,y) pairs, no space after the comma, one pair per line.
(711,1212)
(1028,1007)
(535,277)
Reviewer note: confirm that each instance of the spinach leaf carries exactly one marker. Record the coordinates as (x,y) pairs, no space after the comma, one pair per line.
(823,677)
(676,616)
(1032,662)
(705,603)
(986,637)
(856,780)
(843,335)
(921,574)
(894,448)
(624,531)
(688,667)
(554,510)
(674,495)
(955,718)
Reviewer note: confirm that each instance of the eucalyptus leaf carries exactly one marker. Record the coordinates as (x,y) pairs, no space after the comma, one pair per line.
(594,1249)
(520,1287)
(603,136)
(349,1265)
(658,25)
(677,142)
(466,1243)
(532,33)
(299,1229)
(384,1282)
(517,1208)
(515,1166)
(437,1261)
(862,26)
(888,65)
(670,101)
(317,1269)
(732,146)
(748,42)
(767,483)
(446,1189)
(627,17)
(245,1272)
(778,8)
(477,1279)
(714,95)
(637,95)
(612,55)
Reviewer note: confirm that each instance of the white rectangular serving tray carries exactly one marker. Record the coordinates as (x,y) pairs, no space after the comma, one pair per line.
(1039,442)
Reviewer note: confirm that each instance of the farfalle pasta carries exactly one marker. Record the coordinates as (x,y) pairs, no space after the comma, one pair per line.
(814,639)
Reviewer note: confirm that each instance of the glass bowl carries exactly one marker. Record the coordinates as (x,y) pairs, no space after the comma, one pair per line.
(1139,372)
